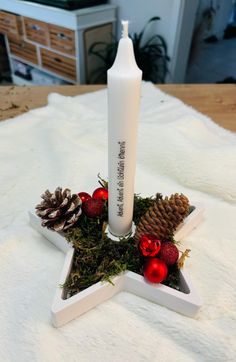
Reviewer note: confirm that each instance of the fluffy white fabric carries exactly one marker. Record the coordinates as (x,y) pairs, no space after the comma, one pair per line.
(64,143)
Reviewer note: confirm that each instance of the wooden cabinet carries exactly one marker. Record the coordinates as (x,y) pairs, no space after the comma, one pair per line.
(62,39)
(24,50)
(59,64)
(36,31)
(56,41)
(10,25)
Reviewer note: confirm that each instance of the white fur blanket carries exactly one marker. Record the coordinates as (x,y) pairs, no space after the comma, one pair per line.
(64,144)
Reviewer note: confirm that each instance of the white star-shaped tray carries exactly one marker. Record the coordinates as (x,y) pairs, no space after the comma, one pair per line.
(186,301)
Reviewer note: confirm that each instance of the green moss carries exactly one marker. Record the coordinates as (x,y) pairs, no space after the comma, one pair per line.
(173,278)
(98,258)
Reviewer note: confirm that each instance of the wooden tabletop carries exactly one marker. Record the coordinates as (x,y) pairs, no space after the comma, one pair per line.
(218,101)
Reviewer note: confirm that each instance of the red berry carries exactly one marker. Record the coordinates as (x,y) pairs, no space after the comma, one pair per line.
(169,253)
(149,245)
(100,193)
(84,196)
(155,270)
(93,207)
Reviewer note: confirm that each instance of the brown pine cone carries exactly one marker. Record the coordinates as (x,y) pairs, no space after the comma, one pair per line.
(162,219)
(59,210)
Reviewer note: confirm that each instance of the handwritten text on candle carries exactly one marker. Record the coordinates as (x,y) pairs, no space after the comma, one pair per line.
(120,178)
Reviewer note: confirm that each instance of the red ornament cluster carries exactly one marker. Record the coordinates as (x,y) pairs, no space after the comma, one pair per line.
(84,196)
(158,257)
(149,245)
(155,270)
(169,253)
(100,193)
(93,206)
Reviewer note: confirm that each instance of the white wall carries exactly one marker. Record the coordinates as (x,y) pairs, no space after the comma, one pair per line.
(173,16)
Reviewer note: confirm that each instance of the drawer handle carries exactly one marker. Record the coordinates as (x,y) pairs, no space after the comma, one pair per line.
(57,60)
(62,36)
(35,27)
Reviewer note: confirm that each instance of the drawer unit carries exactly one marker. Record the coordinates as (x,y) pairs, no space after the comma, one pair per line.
(36,31)
(58,64)
(55,41)
(62,39)
(23,50)
(10,25)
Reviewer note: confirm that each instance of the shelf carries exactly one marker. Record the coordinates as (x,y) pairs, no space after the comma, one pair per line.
(71,19)
(42,69)
(21,81)
(57,41)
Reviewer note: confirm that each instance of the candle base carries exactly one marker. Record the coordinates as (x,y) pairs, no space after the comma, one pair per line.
(117,238)
(185,300)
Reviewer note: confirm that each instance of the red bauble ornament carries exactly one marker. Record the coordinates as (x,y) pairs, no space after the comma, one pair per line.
(93,207)
(155,270)
(100,193)
(149,245)
(169,253)
(84,196)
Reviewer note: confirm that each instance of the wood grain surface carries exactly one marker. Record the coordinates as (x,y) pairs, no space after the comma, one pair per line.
(218,101)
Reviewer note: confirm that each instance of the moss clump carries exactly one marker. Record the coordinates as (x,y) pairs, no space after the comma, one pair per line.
(98,258)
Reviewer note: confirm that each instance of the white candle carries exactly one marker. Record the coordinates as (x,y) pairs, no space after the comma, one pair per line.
(124,83)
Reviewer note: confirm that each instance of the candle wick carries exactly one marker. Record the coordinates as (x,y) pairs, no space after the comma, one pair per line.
(125,24)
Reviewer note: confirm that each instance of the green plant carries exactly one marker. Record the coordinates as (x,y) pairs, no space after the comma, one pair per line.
(151,56)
